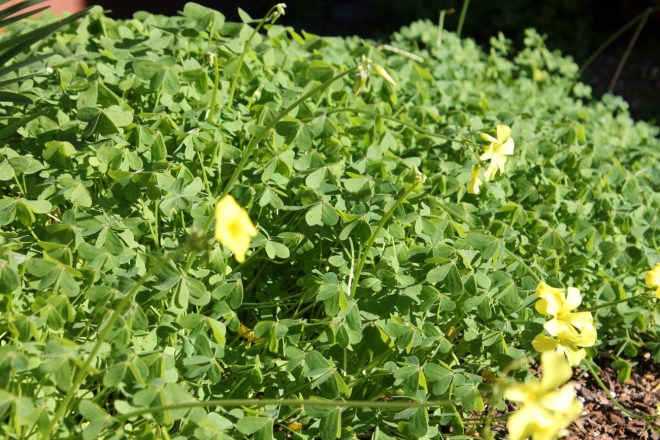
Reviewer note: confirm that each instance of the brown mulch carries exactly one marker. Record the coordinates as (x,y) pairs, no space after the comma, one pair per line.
(604,421)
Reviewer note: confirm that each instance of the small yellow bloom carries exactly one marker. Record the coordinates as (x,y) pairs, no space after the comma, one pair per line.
(653,279)
(295,426)
(497,150)
(559,304)
(475,182)
(546,409)
(565,345)
(233,227)
(380,71)
(247,333)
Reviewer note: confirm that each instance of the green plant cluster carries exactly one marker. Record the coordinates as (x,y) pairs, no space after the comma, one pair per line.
(107,195)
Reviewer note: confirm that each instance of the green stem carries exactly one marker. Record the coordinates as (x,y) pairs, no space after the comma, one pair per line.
(619,301)
(461,19)
(393,119)
(626,53)
(609,41)
(524,265)
(20,187)
(441,25)
(256,30)
(103,334)
(216,82)
(590,366)
(372,238)
(286,402)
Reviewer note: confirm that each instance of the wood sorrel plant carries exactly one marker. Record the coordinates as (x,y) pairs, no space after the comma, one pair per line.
(370,302)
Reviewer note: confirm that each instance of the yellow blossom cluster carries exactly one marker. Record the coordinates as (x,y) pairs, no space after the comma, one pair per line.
(570,331)
(497,152)
(548,406)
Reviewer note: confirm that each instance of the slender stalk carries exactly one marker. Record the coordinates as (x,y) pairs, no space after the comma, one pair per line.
(461,19)
(441,25)
(393,119)
(286,402)
(214,95)
(594,374)
(103,334)
(403,52)
(609,41)
(372,238)
(626,53)
(524,265)
(256,30)
(619,301)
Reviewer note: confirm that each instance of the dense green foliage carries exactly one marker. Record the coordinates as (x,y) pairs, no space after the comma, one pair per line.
(132,153)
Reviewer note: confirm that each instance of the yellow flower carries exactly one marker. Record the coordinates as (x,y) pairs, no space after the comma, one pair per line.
(245,332)
(559,303)
(295,426)
(233,227)
(546,409)
(653,279)
(497,150)
(565,345)
(475,182)
(380,71)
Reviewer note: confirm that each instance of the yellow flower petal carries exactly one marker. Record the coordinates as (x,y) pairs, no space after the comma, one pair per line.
(507,147)
(555,370)
(497,150)
(556,401)
(475,182)
(380,71)
(519,393)
(559,326)
(503,133)
(527,421)
(572,353)
(488,138)
(233,227)
(543,343)
(573,299)
(548,406)
(653,277)
(490,172)
(551,299)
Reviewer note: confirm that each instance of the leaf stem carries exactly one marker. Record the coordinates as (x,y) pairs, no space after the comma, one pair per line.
(216,82)
(286,402)
(372,238)
(524,265)
(626,53)
(393,119)
(256,30)
(609,41)
(645,296)
(590,366)
(461,19)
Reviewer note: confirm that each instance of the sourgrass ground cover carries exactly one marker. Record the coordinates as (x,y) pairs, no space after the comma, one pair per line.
(379,298)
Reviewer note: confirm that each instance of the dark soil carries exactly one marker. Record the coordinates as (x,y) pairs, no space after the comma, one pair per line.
(604,421)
